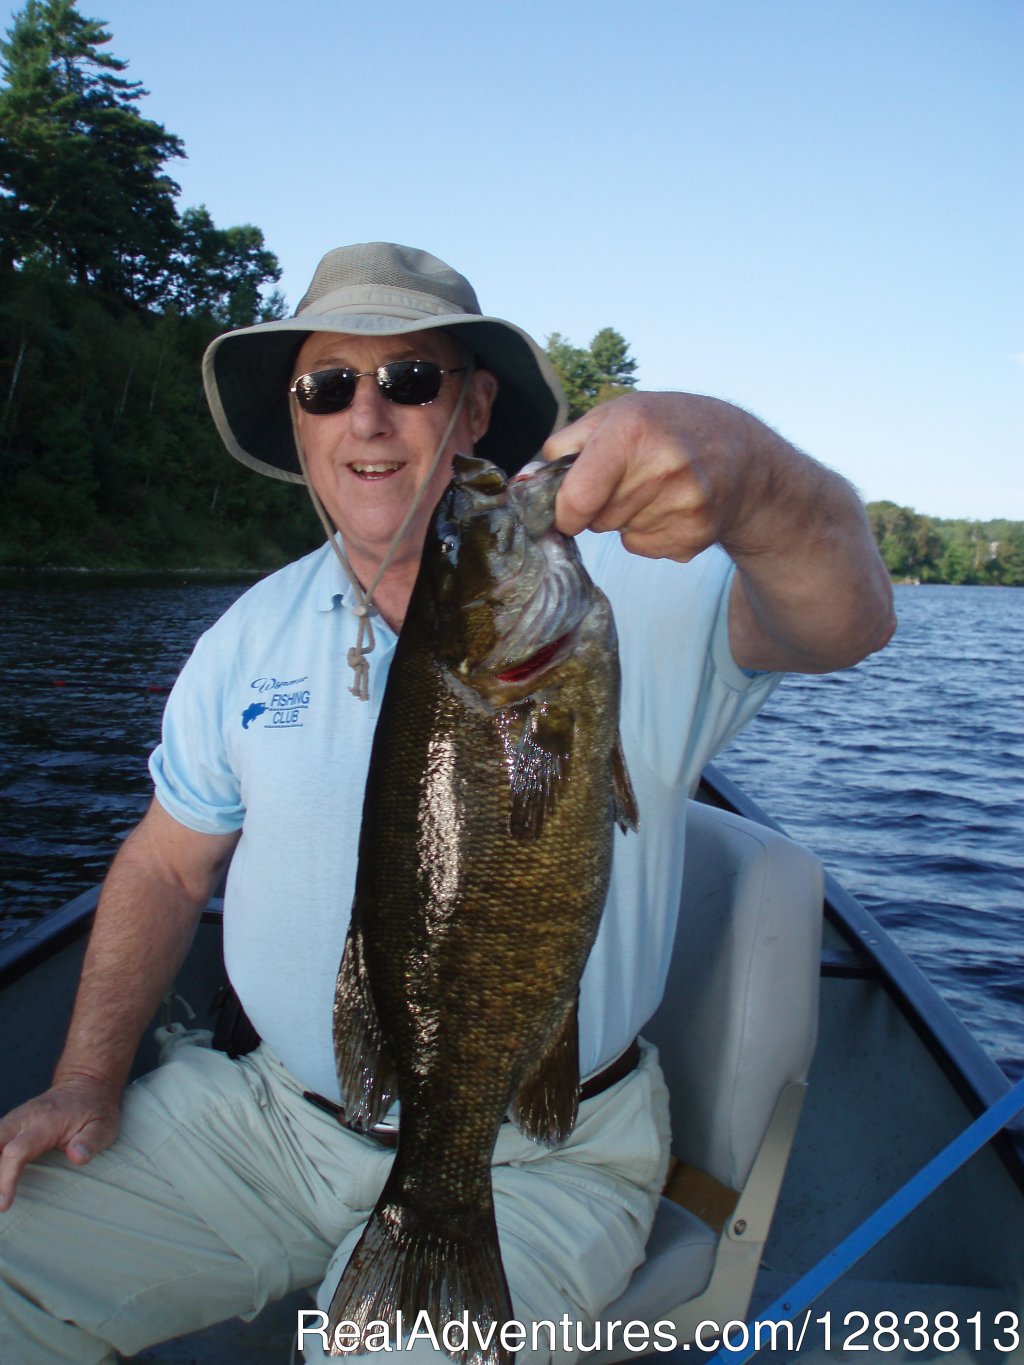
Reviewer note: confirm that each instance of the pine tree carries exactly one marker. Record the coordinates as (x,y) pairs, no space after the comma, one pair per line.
(82,186)
(615,365)
(592,376)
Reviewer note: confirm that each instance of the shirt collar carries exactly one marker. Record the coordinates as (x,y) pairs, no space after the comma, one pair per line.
(333,592)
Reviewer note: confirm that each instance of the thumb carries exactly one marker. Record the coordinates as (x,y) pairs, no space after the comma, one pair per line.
(93,1137)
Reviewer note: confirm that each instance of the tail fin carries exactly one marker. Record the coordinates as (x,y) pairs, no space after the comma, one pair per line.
(453,1273)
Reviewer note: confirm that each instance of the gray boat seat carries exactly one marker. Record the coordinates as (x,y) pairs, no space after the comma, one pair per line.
(736,1032)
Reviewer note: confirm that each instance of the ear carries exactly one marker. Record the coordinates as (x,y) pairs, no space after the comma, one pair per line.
(482,393)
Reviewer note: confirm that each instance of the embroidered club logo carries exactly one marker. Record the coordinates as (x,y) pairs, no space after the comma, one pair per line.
(282,704)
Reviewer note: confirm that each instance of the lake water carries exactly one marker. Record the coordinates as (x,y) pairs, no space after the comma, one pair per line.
(906,774)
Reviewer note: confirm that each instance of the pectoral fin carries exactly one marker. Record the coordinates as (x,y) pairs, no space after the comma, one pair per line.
(537,738)
(366,1068)
(545,1105)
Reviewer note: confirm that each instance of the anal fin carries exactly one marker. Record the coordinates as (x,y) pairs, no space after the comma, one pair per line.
(545,1105)
(366,1068)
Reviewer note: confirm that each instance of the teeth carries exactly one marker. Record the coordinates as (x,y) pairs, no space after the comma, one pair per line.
(387,468)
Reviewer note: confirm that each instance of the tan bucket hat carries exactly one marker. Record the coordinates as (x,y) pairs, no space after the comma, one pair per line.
(377,289)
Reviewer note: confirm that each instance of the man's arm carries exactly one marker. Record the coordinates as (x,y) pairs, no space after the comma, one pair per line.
(147,914)
(675,473)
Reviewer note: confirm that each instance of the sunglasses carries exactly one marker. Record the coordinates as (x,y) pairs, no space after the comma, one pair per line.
(412,383)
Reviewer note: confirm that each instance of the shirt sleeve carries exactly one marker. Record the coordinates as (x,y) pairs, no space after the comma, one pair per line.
(684,697)
(192,770)
(742,691)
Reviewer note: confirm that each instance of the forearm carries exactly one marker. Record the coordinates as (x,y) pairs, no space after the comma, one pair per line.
(674,473)
(812,593)
(139,938)
(145,921)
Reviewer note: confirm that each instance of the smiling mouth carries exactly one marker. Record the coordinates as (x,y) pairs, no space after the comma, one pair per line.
(377,469)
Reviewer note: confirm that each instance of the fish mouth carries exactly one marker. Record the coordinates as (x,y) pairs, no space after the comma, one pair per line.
(538,592)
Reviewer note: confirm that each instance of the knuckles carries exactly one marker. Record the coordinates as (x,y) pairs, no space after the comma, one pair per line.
(656,467)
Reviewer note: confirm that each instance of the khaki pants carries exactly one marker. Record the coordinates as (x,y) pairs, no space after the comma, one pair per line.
(226,1190)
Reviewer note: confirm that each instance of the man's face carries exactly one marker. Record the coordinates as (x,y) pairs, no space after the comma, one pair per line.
(367,462)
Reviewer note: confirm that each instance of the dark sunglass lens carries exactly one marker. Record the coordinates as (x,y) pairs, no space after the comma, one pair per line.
(326,391)
(411,381)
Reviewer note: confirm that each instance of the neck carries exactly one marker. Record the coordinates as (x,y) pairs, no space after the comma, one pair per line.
(391,595)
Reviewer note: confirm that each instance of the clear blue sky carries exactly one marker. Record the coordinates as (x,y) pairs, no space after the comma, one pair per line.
(810,207)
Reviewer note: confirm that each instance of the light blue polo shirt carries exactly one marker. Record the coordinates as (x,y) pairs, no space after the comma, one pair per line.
(262,734)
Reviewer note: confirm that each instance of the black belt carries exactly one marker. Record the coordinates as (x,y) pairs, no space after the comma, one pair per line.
(387,1134)
(616,1070)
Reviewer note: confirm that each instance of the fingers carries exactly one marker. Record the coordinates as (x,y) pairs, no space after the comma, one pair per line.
(664,470)
(623,479)
(92,1137)
(590,496)
(578,500)
(23,1138)
(574,436)
(51,1122)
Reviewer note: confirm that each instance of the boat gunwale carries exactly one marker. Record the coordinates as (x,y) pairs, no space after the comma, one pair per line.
(974,1074)
(42,938)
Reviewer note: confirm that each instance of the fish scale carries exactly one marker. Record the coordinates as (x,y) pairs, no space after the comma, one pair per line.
(484,859)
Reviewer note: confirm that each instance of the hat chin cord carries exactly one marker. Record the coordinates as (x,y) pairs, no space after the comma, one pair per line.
(364,604)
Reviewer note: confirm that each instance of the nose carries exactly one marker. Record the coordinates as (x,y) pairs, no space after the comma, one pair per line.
(370,411)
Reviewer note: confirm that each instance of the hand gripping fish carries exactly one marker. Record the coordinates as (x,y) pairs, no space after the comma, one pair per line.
(486,844)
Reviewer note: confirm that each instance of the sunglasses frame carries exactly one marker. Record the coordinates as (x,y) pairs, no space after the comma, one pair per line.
(380,374)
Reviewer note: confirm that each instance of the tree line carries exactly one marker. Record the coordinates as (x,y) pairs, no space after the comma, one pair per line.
(110,293)
(922,549)
(84,186)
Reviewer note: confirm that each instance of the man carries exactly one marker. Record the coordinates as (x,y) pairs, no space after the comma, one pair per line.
(218,1185)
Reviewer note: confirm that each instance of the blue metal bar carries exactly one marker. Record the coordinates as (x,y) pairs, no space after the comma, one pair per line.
(916,1190)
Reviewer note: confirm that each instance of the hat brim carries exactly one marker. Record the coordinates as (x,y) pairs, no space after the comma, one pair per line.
(247,374)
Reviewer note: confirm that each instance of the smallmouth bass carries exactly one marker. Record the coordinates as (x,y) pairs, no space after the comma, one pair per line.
(495,780)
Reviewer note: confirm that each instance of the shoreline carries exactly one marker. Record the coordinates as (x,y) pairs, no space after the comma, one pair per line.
(55,571)
(199,573)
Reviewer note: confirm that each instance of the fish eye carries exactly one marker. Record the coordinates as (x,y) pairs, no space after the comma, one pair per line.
(448,538)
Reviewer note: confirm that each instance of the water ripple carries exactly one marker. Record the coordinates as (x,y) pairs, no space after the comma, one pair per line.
(906,775)
(86,665)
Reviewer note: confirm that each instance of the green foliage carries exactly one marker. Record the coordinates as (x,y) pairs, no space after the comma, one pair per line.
(107,300)
(81,170)
(83,188)
(220,271)
(108,455)
(592,376)
(615,365)
(924,549)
